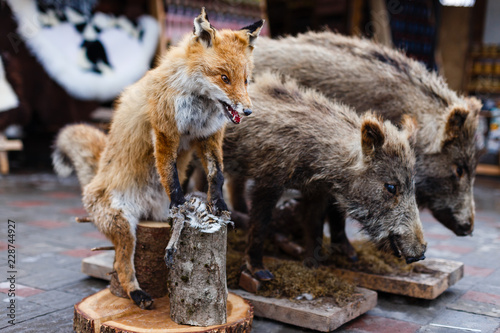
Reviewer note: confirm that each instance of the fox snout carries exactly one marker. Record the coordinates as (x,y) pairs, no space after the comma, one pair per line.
(247,112)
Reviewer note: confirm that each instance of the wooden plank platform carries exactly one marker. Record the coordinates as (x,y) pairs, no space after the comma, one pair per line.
(442,274)
(445,273)
(5,146)
(320,314)
(488,170)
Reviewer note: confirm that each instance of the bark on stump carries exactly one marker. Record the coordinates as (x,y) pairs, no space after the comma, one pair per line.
(197,278)
(151,240)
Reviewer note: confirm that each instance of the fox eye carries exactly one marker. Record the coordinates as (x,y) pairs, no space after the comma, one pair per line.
(225,79)
(246,82)
(392,189)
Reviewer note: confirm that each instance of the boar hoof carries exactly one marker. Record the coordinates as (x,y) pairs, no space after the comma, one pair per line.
(353,258)
(409,260)
(263,275)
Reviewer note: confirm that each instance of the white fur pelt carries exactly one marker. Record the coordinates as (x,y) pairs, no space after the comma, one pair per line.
(8,98)
(57,46)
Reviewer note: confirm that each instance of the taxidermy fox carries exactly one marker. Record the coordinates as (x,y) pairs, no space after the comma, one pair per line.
(180,106)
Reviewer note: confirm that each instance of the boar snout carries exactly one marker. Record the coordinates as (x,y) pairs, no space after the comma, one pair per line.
(412,259)
(410,247)
(461,226)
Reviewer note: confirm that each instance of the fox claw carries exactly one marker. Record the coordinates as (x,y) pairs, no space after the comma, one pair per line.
(142,299)
(217,207)
(263,275)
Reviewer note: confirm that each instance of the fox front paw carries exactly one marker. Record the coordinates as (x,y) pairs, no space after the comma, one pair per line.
(142,299)
(218,206)
(177,202)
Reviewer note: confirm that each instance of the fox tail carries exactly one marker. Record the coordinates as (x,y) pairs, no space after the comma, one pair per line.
(78,148)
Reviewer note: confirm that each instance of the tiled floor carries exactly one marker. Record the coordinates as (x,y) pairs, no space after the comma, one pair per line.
(50,246)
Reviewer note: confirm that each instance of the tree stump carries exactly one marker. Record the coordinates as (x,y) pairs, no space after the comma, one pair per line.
(151,240)
(197,278)
(103,312)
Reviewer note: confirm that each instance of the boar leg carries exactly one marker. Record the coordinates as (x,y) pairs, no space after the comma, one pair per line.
(336,219)
(264,198)
(236,189)
(313,216)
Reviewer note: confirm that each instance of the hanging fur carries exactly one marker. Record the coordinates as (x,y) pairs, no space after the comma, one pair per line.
(90,68)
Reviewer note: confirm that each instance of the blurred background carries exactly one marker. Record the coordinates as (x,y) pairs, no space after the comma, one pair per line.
(65,61)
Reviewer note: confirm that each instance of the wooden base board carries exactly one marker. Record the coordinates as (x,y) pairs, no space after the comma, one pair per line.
(488,170)
(321,314)
(106,313)
(419,285)
(99,266)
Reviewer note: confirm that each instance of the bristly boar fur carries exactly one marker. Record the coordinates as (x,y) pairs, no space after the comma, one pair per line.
(300,139)
(369,76)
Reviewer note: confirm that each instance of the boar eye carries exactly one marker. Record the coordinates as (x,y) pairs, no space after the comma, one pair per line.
(390,188)
(225,79)
(459,171)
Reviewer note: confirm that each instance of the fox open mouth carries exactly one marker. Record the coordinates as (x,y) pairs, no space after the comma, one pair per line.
(232,114)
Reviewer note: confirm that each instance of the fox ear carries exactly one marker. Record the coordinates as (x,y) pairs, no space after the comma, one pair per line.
(372,135)
(253,32)
(203,30)
(410,127)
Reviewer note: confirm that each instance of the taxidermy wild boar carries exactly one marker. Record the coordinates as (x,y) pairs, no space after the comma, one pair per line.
(369,76)
(300,139)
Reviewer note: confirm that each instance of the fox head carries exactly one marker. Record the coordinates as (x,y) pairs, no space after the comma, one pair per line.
(221,63)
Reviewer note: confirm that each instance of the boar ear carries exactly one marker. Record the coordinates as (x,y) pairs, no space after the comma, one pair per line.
(372,136)
(474,105)
(410,126)
(253,32)
(455,123)
(203,30)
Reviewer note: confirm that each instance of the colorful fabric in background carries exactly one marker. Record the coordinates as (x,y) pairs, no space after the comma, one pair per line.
(414,28)
(222,15)
(92,55)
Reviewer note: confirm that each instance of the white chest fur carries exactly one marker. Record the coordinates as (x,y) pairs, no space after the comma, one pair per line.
(197,116)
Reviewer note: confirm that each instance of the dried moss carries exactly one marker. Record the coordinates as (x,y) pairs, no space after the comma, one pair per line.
(292,278)
(371,260)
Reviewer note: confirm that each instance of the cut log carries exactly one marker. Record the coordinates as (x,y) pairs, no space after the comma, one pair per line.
(103,312)
(197,278)
(150,268)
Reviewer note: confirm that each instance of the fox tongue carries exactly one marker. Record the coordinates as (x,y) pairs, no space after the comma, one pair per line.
(236,116)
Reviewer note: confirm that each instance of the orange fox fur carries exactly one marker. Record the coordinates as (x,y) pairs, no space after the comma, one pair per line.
(180,106)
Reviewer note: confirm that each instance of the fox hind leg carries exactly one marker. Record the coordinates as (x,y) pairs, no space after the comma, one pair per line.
(122,235)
